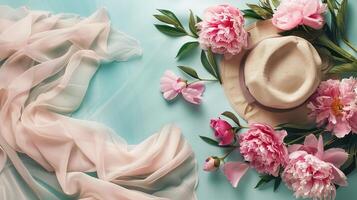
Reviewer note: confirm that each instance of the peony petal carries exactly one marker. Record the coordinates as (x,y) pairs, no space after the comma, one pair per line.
(3,159)
(199,86)
(169,95)
(294,147)
(315,22)
(320,148)
(171,75)
(310,8)
(234,171)
(335,156)
(227,139)
(280,135)
(339,177)
(311,141)
(341,129)
(193,93)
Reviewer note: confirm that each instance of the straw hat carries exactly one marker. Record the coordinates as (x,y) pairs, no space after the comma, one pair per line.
(271,81)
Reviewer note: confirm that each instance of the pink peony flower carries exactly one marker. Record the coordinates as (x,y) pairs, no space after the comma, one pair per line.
(291,13)
(334,104)
(312,172)
(211,164)
(264,148)
(223,131)
(172,85)
(309,177)
(222,30)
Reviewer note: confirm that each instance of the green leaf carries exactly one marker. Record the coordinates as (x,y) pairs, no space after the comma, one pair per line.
(186,48)
(340,18)
(170,31)
(262,12)
(198,19)
(326,42)
(263,180)
(209,141)
(277,183)
(293,128)
(344,68)
(166,19)
(212,61)
(171,15)
(331,5)
(249,13)
(276,3)
(266,5)
(231,116)
(192,24)
(207,65)
(260,183)
(191,72)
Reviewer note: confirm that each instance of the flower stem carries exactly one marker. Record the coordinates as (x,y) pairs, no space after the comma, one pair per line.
(202,79)
(227,154)
(191,35)
(318,131)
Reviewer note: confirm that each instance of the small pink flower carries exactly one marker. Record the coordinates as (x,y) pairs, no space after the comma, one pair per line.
(223,131)
(222,30)
(334,104)
(171,85)
(264,148)
(291,13)
(211,164)
(312,172)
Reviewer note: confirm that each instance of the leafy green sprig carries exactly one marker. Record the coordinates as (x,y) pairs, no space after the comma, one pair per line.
(174,28)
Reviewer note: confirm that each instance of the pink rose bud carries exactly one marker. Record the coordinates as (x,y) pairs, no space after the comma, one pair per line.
(223,131)
(211,164)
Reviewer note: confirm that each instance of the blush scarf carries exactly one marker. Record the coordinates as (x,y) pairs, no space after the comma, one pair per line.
(47,62)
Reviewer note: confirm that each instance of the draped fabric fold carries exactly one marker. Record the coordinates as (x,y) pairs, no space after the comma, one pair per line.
(47,64)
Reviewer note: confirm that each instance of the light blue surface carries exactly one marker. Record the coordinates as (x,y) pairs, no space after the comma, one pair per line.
(126,96)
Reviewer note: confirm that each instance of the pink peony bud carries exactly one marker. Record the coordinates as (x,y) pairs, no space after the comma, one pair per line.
(211,164)
(223,131)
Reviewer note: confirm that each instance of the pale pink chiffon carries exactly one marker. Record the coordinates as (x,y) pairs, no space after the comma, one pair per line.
(48,61)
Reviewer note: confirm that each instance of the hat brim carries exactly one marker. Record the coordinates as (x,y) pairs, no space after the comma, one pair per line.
(252,112)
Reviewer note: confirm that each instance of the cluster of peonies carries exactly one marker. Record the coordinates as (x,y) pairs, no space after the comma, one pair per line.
(292,13)
(222,30)
(312,172)
(171,85)
(334,105)
(305,168)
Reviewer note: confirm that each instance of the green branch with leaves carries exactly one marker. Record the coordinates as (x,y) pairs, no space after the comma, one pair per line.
(174,28)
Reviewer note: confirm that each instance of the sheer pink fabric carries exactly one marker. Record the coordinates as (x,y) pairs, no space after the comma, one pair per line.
(48,61)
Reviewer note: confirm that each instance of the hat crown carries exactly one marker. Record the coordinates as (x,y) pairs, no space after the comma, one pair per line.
(282,72)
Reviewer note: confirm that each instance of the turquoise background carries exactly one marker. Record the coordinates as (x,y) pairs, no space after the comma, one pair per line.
(126,97)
